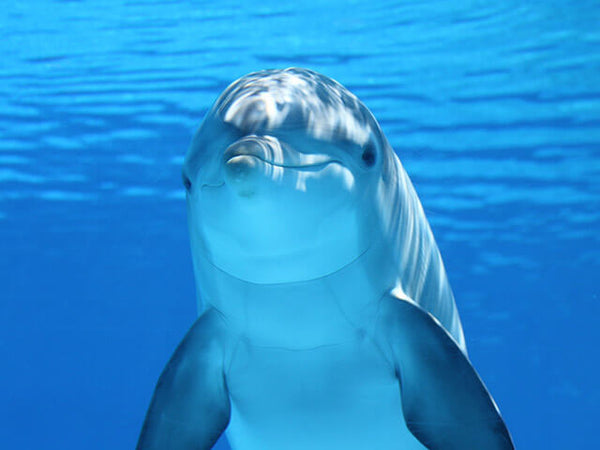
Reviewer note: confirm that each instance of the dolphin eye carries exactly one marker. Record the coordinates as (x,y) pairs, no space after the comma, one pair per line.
(368,155)
(186,182)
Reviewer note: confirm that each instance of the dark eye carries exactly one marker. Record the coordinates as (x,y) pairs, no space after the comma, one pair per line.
(368,155)
(186,182)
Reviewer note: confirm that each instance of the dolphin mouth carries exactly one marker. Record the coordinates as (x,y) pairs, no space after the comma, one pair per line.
(312,166)
(270,150)
(309,168)
(212,185)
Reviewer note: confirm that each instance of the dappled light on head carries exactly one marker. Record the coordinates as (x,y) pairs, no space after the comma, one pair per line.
(295,98)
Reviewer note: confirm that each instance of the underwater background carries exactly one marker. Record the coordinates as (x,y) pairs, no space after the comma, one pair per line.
(492,106)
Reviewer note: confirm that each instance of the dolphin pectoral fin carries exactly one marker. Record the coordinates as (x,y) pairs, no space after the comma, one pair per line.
(190,407)
(445,403)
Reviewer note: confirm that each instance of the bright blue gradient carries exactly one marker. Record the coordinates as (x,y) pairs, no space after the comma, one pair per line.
(492,106)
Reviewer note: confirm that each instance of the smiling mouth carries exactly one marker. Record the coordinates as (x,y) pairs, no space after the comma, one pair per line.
(249,160)
(257,150)
(313,166)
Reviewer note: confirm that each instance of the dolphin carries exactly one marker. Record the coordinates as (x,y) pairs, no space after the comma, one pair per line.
(326,317)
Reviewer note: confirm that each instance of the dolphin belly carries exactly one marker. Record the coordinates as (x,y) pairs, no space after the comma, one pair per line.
(342,395)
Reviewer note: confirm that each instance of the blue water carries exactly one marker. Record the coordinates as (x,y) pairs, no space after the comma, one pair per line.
(493,107)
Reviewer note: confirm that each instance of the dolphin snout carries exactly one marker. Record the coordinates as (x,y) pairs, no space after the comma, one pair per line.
(243,161)
(249,146)
(253,160)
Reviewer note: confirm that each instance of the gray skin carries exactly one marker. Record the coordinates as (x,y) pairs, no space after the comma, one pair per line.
(327,320)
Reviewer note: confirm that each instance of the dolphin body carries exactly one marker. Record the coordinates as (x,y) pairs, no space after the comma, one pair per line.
(327,320)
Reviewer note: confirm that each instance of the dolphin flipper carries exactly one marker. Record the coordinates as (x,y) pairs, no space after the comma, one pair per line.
(445,403)
(190,407)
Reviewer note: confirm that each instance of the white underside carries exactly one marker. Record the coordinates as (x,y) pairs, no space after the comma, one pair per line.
(341,396)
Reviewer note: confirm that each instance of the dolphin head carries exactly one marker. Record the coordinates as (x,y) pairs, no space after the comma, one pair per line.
(281,178)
